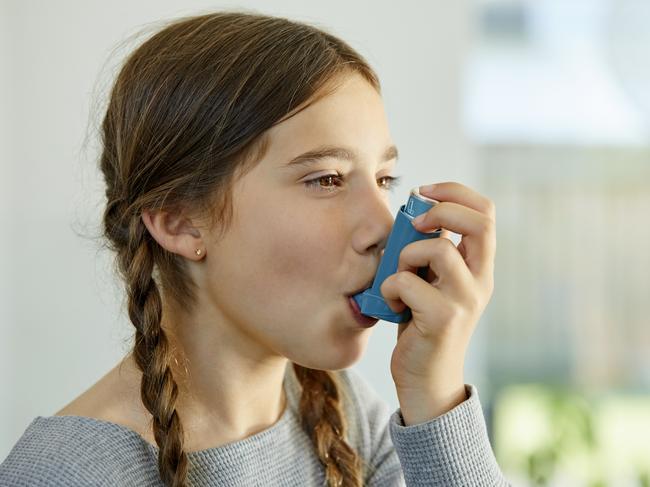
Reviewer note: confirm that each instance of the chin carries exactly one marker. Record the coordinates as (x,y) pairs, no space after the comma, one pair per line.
(333,360)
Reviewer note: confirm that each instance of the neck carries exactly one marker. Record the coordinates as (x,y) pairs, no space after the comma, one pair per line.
(229,387)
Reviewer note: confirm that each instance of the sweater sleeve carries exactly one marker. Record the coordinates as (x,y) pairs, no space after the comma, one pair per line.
(450,450)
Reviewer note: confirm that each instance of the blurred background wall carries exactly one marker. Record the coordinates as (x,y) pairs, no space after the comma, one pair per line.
(543,106)
(556,102)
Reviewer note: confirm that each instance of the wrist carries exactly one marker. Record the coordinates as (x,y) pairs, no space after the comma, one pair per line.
(420,405)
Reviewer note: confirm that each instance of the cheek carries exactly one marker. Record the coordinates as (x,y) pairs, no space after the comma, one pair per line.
(288,265)
(299,253)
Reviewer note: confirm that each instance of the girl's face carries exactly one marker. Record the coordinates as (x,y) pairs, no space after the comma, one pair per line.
(301,240)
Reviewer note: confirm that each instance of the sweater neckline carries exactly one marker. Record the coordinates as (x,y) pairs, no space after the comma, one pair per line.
(254,441)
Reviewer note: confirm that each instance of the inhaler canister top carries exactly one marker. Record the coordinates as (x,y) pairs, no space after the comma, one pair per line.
(413,208)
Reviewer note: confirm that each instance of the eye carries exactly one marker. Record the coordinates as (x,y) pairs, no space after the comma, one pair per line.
(391,182)
(314,184)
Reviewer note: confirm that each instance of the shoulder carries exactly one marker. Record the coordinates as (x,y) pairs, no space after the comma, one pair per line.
(115,398)
(76,450)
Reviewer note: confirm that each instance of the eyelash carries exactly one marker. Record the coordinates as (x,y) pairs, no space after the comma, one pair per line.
(312,184)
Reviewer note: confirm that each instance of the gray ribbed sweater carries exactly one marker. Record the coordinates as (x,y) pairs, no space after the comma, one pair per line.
(450,450)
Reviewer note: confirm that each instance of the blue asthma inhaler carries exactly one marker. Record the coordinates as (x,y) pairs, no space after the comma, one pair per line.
(371,302)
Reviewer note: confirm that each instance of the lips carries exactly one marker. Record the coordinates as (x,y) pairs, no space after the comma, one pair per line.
(361,319)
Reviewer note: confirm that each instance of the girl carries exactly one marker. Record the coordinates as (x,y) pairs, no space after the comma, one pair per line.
(247,160)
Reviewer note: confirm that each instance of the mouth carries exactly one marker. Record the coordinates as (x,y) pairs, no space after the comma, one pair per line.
(361,319)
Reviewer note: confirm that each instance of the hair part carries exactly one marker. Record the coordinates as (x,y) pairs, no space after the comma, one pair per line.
(187,116)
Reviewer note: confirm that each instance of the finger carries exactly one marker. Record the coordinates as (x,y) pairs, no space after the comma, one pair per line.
(407,289)
(461,194)
(442,257)
(445,234)
(478,230)
(452,216)
(401,327)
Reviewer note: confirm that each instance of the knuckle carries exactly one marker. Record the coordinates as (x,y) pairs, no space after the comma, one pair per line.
(490,209)
(488,225)
(481,296)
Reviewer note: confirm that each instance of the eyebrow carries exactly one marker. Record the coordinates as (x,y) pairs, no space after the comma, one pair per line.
(324,152)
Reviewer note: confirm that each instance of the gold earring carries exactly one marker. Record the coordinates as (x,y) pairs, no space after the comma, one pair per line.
(198,251)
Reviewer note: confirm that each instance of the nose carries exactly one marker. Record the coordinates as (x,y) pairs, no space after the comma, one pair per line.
(374,221)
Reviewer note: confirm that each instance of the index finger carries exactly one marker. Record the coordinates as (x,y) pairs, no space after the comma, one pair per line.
(459,193)
(478,231)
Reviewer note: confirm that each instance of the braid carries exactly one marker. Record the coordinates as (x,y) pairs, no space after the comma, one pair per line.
(158,388)
(324,422)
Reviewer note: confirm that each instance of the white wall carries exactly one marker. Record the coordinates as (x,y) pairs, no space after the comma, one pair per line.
(6,371)
(61,321)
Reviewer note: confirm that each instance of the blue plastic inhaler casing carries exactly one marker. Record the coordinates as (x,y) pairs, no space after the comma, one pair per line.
(371,302)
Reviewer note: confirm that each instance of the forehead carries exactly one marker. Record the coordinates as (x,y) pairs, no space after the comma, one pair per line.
(352,116)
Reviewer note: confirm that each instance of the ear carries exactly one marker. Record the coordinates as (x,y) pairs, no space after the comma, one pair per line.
(175,233)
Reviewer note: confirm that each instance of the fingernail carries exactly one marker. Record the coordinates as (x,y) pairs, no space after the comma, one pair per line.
(427,187)
(417,220)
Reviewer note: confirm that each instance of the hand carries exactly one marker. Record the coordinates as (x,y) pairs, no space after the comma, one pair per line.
(428,359)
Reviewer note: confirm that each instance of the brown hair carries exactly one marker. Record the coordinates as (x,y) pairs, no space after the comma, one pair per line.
(187,116)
